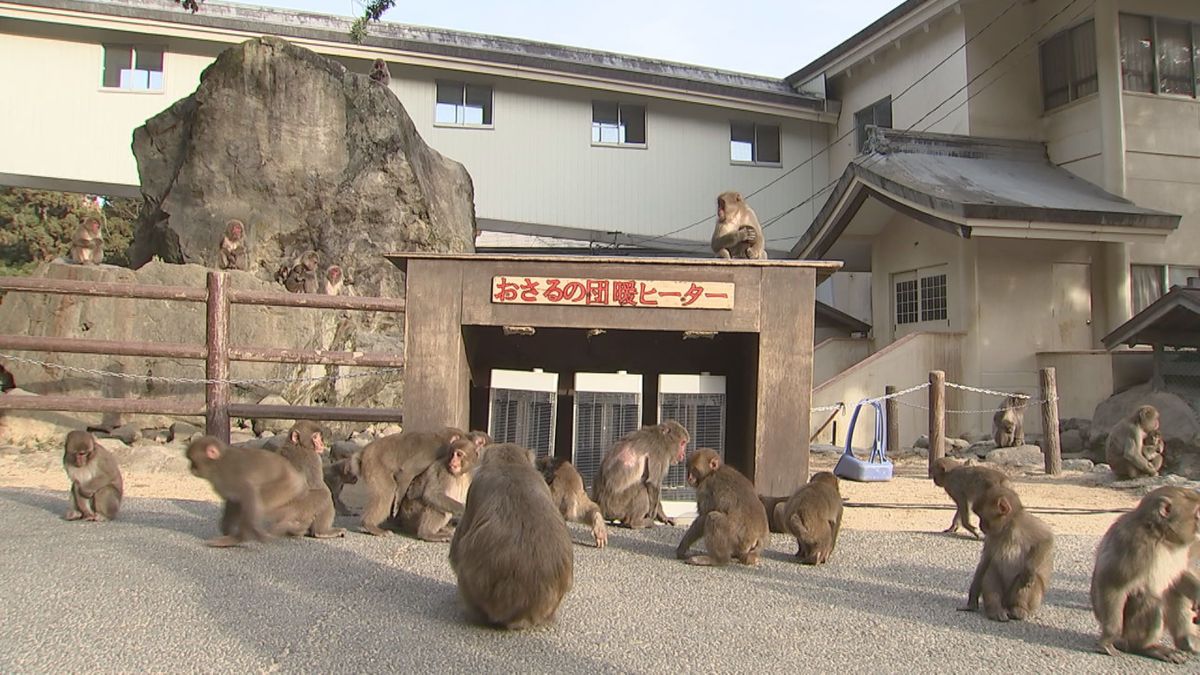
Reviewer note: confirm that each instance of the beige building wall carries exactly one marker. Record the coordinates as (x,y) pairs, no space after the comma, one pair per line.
(538,165)
(58,121)
(893,69)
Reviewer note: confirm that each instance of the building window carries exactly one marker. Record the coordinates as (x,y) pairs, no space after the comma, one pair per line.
(1149,282)
(754,143)
(618,123)
(468,105)
(878,114)
(920,295)
(1068,62)
(133,68)
(1159,56)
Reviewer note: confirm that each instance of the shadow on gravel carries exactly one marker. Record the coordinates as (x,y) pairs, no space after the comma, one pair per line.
(56,503)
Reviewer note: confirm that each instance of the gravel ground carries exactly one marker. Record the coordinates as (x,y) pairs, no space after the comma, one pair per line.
(143,594)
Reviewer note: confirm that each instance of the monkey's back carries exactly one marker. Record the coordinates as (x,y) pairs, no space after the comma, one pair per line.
(813,501)
(511,550)
(731,493)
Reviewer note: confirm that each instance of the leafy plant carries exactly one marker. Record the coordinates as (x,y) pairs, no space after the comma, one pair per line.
(37,225)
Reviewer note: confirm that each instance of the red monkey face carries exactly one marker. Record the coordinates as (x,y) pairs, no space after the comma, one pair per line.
(335,273)
(236,231)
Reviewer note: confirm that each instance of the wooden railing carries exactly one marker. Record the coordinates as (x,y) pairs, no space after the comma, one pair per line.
(216,352)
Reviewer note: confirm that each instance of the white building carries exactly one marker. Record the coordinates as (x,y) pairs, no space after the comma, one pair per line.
(1038,188)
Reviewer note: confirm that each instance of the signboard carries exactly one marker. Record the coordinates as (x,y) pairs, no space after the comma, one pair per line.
(612,293)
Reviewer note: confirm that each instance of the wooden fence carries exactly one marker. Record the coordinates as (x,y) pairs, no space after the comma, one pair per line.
(216,352)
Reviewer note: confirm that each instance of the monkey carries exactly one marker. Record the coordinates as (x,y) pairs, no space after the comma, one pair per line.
(388,466)
(737,234)
(566,489)
(256,484)
(813,515)
(331,282)
(1142,577)
(628,484)
(232,255)
(774,508)
(1017,559)
(96,483)
(341,473)
(1008,424)
(481,440)
(965,484)
(1125,448)
(1154,450)
(438,493)
(303,449)
(87,244)
(511,551)
(379,73)
(302,277)
(731,518)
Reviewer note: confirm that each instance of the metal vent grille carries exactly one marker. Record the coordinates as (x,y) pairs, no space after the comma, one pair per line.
(703,415)
(601,418)
(525,418)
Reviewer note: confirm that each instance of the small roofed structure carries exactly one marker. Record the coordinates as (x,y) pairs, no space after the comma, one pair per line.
(1171,325)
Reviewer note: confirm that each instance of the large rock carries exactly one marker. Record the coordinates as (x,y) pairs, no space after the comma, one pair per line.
(309,156)
(1178,420)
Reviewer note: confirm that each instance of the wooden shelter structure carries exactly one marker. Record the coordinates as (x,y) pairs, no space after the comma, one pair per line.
(1171,325)
(751,321)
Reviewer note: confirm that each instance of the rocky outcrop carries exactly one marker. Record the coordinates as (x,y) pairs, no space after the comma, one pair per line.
(309,156)
(126,320)
(1180,426)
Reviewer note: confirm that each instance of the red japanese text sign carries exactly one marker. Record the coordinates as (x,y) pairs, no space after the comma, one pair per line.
(520,290)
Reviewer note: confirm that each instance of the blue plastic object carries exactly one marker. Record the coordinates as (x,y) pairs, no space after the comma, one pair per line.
(877,467)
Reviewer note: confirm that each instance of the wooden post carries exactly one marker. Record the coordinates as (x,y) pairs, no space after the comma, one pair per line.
(1051,448)
(937,416)
(216,394)
(893,420)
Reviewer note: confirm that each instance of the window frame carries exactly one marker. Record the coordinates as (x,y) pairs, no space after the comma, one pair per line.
(621,106)
(1072,67)
(921,304)
(1164,281)
(489,111)
(133,62)
(755,143)
(1155,77)
(860,129)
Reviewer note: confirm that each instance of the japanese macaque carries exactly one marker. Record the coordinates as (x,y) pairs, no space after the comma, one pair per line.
(1126,450)
(1142,577)
(813,515)
(737,234)
(731,518)
(87,244)
(96,483)
(511,552)
(303,276)
(774,508)
(389,465)
(338,474)
(379,73)
(566,489)
(303,450)
(331,282)
(1018,556)
(256,485)
(1008,424)
(232,255)
(965,484)
(628,484)
(438,494)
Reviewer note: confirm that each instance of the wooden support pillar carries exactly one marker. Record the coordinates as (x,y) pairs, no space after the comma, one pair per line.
(216,394)
(1051,448)
(937,416)
(893,419)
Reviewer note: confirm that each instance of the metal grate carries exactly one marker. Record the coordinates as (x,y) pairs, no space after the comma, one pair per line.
(703,415)
(525,418)
(601,418)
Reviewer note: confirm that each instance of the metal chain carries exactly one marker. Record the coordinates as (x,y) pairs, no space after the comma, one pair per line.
(195,380)
(955,412)
(977,390)
(898,394)
(827,408)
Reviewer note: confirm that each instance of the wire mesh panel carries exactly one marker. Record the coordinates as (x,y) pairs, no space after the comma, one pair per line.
(601,418)
(523,407)
(703,415)
(523,417)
